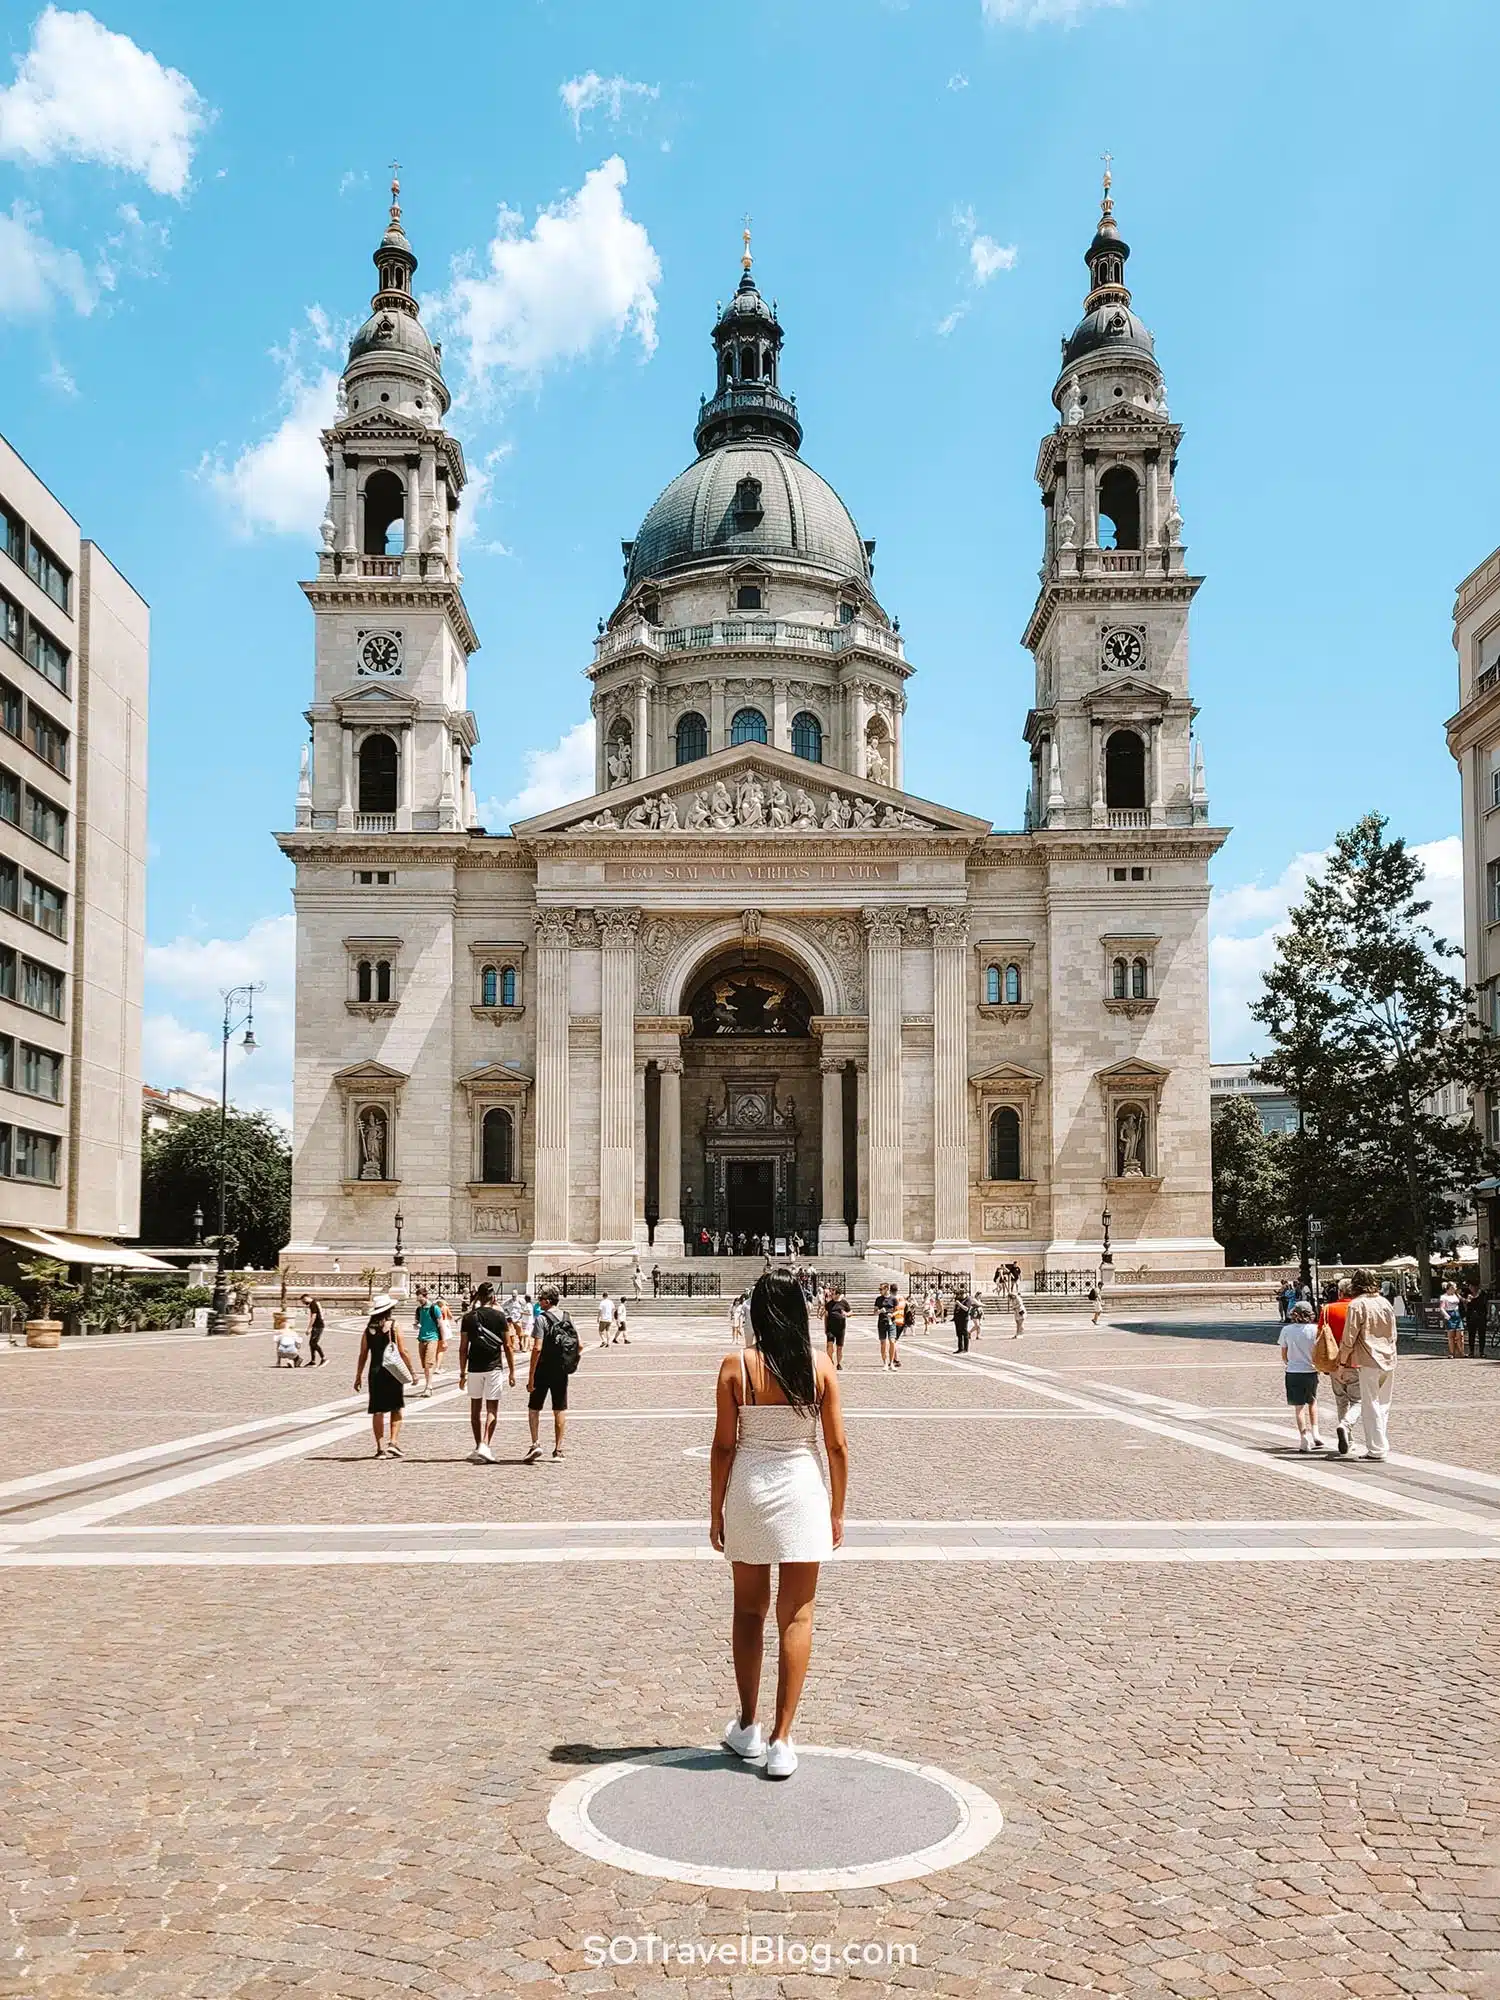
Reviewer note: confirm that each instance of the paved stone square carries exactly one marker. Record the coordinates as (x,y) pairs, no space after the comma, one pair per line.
(281,1718)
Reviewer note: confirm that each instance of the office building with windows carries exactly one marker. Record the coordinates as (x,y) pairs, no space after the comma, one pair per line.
(73,693)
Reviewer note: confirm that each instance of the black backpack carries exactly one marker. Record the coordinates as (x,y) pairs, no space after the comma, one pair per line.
(562,1337)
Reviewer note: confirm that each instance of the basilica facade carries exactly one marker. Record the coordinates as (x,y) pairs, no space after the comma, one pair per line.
(752,984)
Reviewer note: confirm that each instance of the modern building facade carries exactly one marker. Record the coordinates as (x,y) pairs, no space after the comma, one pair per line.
(1474,739)
(752,985)
(1276,1111)
(73,709)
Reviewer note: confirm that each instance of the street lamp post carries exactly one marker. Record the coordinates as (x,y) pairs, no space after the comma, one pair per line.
(198,1228)
(1106,1255)
(400,1225)
(235,997)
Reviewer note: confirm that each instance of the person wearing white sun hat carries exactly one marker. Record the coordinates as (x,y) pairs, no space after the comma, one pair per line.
(387,1388)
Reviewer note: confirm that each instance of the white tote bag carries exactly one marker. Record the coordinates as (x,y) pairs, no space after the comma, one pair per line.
(394,1360)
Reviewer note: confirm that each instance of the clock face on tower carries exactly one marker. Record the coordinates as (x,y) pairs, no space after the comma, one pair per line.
(380,653)
(1123,648)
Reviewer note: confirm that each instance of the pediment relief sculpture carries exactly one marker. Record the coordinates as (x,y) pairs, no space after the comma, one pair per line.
(754,802)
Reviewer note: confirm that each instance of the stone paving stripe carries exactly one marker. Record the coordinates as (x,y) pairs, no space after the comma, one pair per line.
(701,1805)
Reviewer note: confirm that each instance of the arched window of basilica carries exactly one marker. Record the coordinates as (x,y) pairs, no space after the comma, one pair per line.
(992,986)
(377,774)
(692,737)
(1012,985)
(508,987)
(1125,770)
(364,986)
(382,979)
(1119,980)
(498,1146)
(748,726)
(1139,979)
(489,987)
(807,737)
(1119,509)
(1005,1143)
(385,511)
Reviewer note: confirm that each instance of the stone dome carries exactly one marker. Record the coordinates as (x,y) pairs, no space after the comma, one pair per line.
(712,512)
(1113,328)
(393,332)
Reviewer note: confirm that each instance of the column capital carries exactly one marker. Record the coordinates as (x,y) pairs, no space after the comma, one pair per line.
(883,925)
(668,1063)
(832,1065)
(950,927)
(618,928)
(554,927)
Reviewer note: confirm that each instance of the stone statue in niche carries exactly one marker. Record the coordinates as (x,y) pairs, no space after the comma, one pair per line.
(1067,530)
(372,1144)
(1130,1142)
(877,768)
(617,761)
(326,530)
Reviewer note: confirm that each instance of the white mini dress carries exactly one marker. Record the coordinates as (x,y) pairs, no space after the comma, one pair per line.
(777,1508)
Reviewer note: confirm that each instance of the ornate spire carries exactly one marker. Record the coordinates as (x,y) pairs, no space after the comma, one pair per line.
(747,401)
(1107,253)
(394,260)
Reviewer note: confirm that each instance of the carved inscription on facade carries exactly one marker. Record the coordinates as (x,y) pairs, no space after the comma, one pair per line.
(997,1217)
(496,1222)
(795,874)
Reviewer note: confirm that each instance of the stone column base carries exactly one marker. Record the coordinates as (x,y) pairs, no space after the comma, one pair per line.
(670,1242)
(833,1240)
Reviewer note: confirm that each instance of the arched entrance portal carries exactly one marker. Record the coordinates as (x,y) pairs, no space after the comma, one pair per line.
(751,1103)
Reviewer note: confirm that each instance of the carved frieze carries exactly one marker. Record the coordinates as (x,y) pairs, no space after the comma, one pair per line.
(661,939)
(841,941)
(752,801)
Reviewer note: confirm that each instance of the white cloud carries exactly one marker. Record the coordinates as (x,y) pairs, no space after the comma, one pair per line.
(583,275)
(58,378)
(958,81)
(553,777)
(185,982)
(351,178)
(84,93)
(582,95)
(1033,13)
(950,320)
(1244,922)
(35,273)
(281,482)
(986,257)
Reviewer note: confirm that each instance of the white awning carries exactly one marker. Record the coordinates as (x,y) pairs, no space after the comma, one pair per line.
(83,1250)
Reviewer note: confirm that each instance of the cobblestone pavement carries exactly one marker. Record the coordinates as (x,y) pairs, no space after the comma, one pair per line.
(1257,1755)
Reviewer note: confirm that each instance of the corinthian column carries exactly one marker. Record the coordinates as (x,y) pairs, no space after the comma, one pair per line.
(833,1232)
(950,1064)
(616,1069)
(553,937)
(883,986)
(669,1159)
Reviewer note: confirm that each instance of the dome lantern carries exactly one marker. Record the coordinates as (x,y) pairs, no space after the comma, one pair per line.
(747,401)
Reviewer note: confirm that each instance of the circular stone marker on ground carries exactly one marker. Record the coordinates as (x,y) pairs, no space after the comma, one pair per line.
(848,1819)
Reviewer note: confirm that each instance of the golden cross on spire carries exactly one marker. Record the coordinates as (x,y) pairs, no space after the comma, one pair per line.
(745,259)
(395,166)
(1109,179)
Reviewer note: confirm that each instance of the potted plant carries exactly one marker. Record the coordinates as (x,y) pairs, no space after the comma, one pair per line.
(42,1280)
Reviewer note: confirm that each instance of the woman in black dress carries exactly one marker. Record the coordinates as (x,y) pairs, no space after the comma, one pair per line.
(315,1352)
(387,1391)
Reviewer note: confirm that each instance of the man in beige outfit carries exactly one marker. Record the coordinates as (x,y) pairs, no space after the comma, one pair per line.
(1369,1344)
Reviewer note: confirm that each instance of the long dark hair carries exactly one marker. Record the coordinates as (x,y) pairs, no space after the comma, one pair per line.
(778,1313)
(373,1324)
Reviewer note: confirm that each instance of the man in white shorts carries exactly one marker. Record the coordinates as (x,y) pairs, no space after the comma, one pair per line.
(606,1318)
(484,1355)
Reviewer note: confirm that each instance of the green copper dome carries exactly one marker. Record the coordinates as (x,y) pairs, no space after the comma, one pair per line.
(751,497)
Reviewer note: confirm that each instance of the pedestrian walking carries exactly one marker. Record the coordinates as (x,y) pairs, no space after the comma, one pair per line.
(1298,1339)
(1343,1381)
(769,1506)
(1096,1302)
(907,1321)
(1369,1344)
(429,1324)
(315,1355)
(1476,1321)
(555,1355)
(378,1343)
(885,1329)
(621,1322)
(484,1357)
(835,1325)
(1018,1312)
(961,1323)
(606,1318)
(656,1281)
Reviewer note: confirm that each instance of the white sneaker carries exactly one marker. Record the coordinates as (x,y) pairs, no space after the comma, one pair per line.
(1317,1443)
(781,1759)
(484,1455)
(1304,1442)
(746,1742)
(476,1456)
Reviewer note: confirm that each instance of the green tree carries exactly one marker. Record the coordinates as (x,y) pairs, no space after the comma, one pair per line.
(1252,1189)
(1367,1024)
(180,1172)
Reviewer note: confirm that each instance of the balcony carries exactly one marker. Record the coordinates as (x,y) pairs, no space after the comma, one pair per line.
(374,822)
(380,565)
(783,634)
(1484,682)
(1130,816)
(1122,562)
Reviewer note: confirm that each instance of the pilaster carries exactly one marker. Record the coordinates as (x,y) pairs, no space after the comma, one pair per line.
(617,930)
(883,930)
(554,933)
(950,1065)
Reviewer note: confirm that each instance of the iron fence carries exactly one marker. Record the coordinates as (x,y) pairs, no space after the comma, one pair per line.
(687,1285)
(938,1281)
(568,1284)
(1067,1284)
(442,1284)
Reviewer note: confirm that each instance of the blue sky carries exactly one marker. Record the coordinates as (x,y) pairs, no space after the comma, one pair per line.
(188,202)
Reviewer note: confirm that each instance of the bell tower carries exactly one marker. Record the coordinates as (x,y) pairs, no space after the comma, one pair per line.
(392,735)
(1111,730)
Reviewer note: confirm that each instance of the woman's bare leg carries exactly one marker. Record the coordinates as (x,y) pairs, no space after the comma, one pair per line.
(752,1600)
(395,1426)
(796,1588)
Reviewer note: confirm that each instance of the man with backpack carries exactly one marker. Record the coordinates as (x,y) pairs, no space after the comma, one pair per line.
(484,1354)
(554,1356)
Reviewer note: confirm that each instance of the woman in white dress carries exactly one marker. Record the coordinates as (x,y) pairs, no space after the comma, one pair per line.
(769,1504)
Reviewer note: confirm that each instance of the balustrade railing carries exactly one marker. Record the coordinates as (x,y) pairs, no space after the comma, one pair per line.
(1121,562)
(374,822)
(1129,816)
(380,565)
(789,634)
